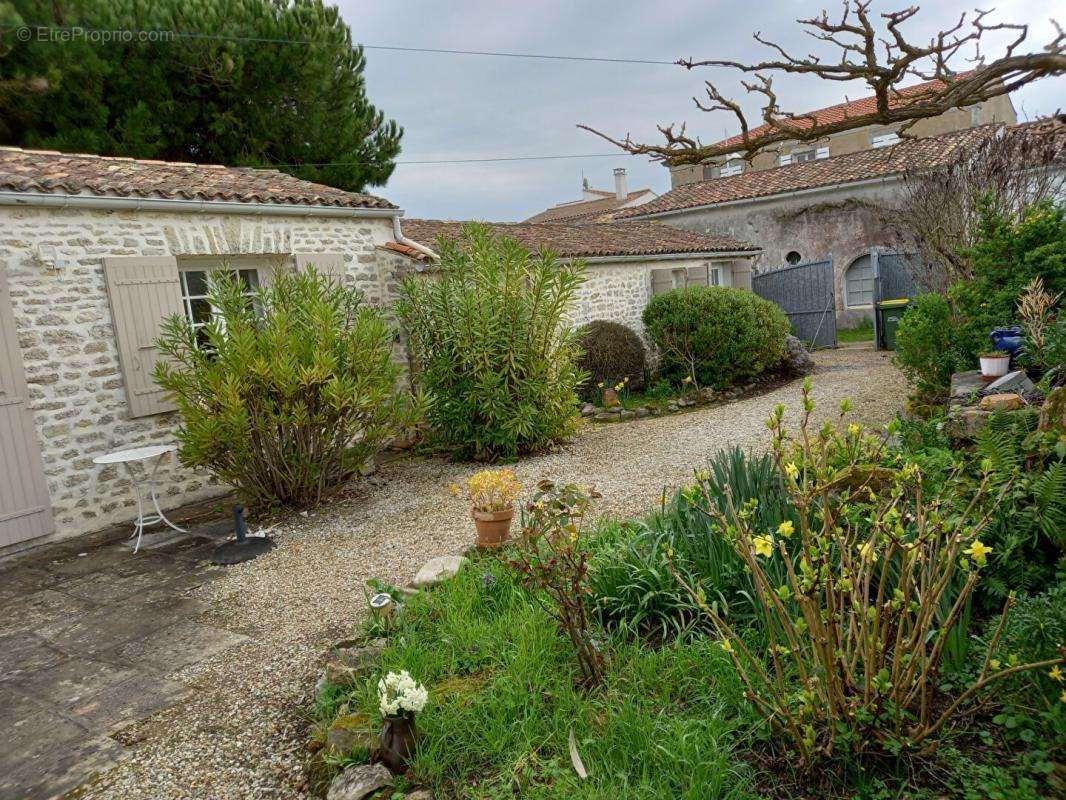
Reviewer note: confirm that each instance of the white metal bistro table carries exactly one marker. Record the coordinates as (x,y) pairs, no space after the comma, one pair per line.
(142,482)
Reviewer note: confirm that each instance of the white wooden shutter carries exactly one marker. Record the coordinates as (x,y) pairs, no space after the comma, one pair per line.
(143,291)
(822,152)
(331,264)
(784,160)
(662,280)
(697,276)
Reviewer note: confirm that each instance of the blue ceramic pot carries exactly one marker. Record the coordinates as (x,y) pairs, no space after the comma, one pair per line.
(1008,339)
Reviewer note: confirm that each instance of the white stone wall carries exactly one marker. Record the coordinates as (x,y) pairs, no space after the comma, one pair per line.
(619,290)
(68,345)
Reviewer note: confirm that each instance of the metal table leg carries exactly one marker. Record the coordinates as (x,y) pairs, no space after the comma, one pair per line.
(139,484)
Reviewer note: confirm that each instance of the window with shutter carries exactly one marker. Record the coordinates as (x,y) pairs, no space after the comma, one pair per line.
(143,291)
(697,276)
(821,152)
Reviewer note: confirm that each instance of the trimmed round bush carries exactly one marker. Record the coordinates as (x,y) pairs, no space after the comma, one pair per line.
(715,334)
(612,352)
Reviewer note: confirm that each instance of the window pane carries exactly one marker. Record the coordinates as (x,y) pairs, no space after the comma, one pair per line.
(250,279)
(195,282)
(201,311)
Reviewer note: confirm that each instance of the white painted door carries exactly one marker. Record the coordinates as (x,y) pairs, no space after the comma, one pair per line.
(25,508)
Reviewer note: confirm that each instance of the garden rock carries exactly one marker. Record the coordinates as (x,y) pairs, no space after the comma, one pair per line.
(1053,411)
(610,398)
(966,423)
(1016,382)
(627,415)
(352,731)
(419,794)
(964,385)
(606,416)
(358,782)
(641,412)
(437,570)
(1001,402)
(797,359)
(588,410)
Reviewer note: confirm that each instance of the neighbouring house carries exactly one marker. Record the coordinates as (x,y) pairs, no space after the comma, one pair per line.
(627,263)
(94,253)
(994,110)
(814,210)
(596,204)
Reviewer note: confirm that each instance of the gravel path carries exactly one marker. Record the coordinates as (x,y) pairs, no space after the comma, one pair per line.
(242,734)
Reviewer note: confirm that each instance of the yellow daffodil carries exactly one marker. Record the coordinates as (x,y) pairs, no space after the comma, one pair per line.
(687,379)
(1055,674)
(791,470)
(599,385)
(729,647)
(764,545)
(854,429)
(978,551)
(786,528)
(994,663)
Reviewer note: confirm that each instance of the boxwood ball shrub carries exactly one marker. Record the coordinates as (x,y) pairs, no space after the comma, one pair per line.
(490,345)
(611,353)
(715,335)
(284,395)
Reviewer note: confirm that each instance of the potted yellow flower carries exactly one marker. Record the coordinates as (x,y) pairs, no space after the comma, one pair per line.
(492,495)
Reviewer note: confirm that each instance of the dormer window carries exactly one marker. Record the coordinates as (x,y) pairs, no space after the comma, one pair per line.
(734,166)
(799,156)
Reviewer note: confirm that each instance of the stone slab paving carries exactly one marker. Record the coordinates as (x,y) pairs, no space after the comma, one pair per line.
(92,638)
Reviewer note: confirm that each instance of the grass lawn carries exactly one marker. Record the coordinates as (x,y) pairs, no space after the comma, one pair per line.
(863,332)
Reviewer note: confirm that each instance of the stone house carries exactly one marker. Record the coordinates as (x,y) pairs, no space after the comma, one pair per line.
(96,251)
(626,263)
(812,210)
(996,110)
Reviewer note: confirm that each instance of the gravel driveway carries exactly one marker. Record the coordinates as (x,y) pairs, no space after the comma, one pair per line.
(243,733)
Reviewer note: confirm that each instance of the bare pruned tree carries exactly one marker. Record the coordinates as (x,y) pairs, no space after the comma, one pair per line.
(1006,171)
(884,60)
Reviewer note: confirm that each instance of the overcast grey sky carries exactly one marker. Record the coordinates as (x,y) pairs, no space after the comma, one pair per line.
(455,107)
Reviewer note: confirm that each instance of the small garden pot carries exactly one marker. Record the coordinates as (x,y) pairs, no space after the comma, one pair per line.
(995,366)
(398,742)
(493,527)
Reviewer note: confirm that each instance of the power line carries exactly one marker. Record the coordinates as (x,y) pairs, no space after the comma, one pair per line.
(157,36)
(454,160)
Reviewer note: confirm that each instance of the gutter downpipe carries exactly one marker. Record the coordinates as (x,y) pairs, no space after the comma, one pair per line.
(401,239)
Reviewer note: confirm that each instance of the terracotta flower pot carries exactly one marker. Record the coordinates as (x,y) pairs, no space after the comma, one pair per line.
(398,742)
(492,526)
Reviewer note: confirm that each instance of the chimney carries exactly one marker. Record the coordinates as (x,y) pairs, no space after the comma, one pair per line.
(621,190)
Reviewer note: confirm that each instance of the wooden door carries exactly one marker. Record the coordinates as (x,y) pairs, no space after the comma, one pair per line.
(25,507)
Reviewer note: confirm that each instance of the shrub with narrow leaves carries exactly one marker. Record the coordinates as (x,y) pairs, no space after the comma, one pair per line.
(283,396)
(491,347)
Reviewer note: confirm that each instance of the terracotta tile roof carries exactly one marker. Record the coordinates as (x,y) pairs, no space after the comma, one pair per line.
(66,173)
(405,250)
(847,168)
(586,209)
(588,240)
(851,108)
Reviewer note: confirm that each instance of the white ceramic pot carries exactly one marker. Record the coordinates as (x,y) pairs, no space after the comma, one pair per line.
(995,366)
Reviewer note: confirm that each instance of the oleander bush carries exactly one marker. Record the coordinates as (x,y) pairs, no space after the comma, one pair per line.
(611,353)
(491,347)
(714,335)
(284,395)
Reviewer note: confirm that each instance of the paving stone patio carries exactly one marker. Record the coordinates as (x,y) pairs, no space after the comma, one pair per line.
(93,638)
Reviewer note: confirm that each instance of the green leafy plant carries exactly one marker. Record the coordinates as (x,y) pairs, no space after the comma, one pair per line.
(285,395)
(611,352)
(715,336)
(552,562)
(633,578)
(855,634)
(925,348)
(491,348)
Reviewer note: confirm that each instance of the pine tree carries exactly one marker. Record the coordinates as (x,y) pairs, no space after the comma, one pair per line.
(298,101)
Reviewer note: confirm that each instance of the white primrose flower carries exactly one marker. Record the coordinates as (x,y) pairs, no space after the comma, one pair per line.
(398,693)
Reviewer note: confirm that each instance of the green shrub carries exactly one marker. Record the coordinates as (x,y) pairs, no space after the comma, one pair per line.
(490,346)
(285,395)
(925,346)
(633,577)
(612,353)
(715,335)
